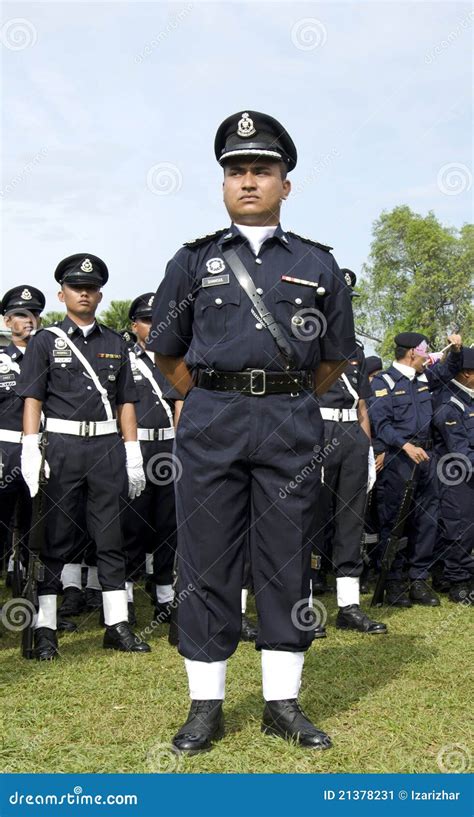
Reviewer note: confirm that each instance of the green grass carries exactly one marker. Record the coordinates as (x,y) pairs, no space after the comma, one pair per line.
(390,703)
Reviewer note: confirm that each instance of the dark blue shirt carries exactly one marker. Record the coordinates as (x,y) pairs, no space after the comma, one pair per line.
(202,314)
(150,410)
(11,404)
(53,374)
(339,395)
(454,428)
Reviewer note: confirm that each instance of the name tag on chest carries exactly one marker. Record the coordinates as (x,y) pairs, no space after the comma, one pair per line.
(214,280)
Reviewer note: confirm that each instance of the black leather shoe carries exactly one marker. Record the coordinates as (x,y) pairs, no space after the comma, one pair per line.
(121,637)
(162,613)
(438,582)
(65,625)
(421,593)
(353,618)
(287,720)
(249,630)
(205,724)
(460,592)
(319,583)
(132,619)
(73,602)
(93,599)
(396,594)
(319,631)
(46,644)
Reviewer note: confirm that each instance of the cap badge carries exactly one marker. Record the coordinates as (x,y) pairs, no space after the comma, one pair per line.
(86,265)
(215,265)
(245,126)
(347,279)
(150,301)
(26,295)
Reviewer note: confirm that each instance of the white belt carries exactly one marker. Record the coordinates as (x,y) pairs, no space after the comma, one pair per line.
(82,428)
(339,415)
(10,436)
(149,434)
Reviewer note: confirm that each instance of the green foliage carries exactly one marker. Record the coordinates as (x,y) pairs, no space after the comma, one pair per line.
(52,317)
(116,316)
(419,277)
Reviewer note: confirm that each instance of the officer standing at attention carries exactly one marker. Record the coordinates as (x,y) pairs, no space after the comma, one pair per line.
(402,416)
(79,374)
(454,424)
(262,320)
(21,308)
(149,521)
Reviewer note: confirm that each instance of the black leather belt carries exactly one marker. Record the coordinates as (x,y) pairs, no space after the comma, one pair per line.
(255,382)
(426,444)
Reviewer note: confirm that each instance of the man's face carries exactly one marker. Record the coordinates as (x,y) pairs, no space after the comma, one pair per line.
(22,324)
(81,300)
(253,191)
(141,327)
(372,374)
(466,377)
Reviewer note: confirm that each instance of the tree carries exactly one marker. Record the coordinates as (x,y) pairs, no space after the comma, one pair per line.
(52,317)
(419,277)
(116,316)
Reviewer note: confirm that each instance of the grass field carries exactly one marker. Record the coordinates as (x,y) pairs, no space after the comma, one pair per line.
(394,703)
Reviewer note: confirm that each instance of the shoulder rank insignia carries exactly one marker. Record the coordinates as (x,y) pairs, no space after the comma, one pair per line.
(204,239)
(381,392)
(451,423)
(324,247)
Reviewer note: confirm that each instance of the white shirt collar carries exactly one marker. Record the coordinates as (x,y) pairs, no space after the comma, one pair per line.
(408,371)
(468,391)
(86,330)
(256,235)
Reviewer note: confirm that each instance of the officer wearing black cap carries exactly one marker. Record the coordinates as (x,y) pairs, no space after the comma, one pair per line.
(78,373)
(149,522)
(401,415)
(373,365)
(21,308)
(248,323)
(454,437)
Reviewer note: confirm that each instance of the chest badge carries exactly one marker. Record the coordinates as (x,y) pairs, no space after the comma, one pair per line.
(59,343)
(4,368)
(215,265)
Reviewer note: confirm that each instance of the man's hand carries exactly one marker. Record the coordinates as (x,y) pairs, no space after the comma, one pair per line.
(456,340)
(379,460)
(135,472)
(31,462)
(415,453)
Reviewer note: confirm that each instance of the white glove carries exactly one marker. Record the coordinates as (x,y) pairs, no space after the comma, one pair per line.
(372,475)
(31,462)
(135,472)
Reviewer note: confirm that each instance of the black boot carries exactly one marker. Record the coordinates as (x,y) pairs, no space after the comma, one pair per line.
(396,594)
(421,593)
(65,625)
(438,582)
(460,593)
(319,631)
(319,583)
(132,619)
(287,720)
(73,602)
(121,637)
(249,630)
(93,599)
(46,644)
(353,618)
(205,724)
(162,612)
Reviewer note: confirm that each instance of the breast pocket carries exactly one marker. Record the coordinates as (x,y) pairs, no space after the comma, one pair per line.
(62,376)
(219,311)
(425,403)
(296,310)
(108,374)
(402,407)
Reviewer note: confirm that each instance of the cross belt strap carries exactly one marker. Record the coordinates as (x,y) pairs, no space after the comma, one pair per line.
(146,372)
(265,317)
(87,366)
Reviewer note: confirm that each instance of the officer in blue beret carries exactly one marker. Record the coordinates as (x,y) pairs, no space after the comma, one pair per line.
(402,414)
(250,324)
(454,437)
(21,308)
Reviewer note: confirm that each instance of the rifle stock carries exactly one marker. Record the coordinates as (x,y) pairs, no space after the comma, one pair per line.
(35,566)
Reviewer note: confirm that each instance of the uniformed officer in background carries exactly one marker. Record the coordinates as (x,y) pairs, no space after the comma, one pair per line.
(454,437)
(79,374)
(246,355)
(21,308)
(402,416)
(149,521)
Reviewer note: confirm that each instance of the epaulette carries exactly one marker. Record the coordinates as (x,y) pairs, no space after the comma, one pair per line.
(457,403)
(303,238)
(204,239)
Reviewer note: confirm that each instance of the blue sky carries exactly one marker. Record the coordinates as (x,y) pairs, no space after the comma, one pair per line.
(110,111)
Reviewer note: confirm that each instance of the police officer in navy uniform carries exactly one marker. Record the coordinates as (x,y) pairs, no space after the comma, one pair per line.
(21,308)
(402,414)
(454,437)
(78,373)
(149,521)
(249,424)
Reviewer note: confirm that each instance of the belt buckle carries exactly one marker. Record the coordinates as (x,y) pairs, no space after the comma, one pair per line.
(253,390)
(84,428)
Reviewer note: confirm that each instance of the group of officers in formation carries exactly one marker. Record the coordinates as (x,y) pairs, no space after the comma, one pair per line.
(290,450)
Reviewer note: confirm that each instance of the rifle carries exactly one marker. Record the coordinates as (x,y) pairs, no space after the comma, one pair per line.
(35,566)
(173,634)
(17,583)
(396,540)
